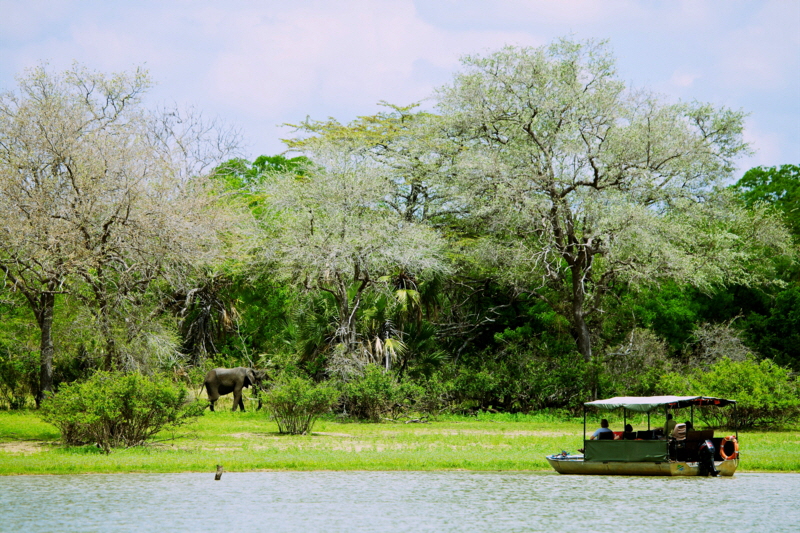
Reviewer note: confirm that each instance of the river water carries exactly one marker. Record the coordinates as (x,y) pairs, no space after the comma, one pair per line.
(398,501)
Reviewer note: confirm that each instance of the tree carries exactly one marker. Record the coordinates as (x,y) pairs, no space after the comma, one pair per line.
(332,231)
(776,186)
(96,195)
(408,145)
(776,334)
(580,184)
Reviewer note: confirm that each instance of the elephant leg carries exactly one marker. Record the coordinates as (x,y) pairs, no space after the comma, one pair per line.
(237,399)
(213,395)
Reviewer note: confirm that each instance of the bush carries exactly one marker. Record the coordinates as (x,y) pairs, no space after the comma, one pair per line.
(19,376)
(432,396)
(295,403)
(520,379)
(766,394)
(635,367)
(373,394)
(117,409)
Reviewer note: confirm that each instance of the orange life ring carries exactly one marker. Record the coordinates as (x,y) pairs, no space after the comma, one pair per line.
(722,444)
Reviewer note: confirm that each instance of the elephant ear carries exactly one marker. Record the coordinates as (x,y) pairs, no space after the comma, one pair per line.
(251,377)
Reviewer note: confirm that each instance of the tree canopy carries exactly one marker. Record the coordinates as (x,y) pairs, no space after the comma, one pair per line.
(582,183)
(94,192)
(775,186)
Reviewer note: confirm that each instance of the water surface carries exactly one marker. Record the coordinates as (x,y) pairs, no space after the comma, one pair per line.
(398,501)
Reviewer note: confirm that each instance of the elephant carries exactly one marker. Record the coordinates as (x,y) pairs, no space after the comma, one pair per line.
(222,381)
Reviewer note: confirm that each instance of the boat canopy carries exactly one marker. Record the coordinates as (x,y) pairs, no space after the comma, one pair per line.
(648,403)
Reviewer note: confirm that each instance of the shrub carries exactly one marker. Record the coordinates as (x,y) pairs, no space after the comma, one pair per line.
(295,403)
(521,379)
(373,394)
(431,396)
(635,367)
(766,393)
(18,376)
(117,409)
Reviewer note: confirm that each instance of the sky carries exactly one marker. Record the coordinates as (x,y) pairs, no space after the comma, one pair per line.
(260,64)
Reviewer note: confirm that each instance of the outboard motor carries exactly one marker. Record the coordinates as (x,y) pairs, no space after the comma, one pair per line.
(706,459)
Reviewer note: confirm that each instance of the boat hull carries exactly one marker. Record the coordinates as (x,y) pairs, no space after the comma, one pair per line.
(572,465)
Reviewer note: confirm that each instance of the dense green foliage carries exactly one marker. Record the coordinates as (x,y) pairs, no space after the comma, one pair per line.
(295,403)
(767,394)
(775,186)
(545,237)
(117,410)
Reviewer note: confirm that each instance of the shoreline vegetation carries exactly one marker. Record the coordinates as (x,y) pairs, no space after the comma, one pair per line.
(250,442)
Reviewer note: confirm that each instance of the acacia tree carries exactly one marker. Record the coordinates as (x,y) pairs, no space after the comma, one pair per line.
(91,192)
(408,145)
(580,183)
(332,231)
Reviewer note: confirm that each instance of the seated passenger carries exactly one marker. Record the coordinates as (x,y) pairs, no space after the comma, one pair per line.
(689,426)
(629,434)
(670,425)
(603,429)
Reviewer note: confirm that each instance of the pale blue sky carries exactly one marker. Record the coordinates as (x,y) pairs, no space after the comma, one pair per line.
(260,64)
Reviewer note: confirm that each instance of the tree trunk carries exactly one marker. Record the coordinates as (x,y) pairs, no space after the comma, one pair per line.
(44,317)
(580,328)
(110,360)
(346,332)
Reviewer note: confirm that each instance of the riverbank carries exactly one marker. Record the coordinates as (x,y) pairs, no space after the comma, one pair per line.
(250,441)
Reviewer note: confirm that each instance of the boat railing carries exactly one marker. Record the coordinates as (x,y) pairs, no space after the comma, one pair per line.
(626,451)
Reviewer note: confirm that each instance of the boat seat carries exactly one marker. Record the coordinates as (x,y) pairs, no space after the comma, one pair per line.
(700,435)
(629,435)
(607,435)
(645,435)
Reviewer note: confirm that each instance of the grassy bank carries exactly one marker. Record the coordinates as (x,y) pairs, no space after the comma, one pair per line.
(249,441)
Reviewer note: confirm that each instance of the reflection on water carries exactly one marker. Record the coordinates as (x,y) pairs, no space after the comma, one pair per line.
(397,501)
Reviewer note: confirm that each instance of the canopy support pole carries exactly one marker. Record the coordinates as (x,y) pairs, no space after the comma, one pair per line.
(648,420)
(691,407)
(584,426)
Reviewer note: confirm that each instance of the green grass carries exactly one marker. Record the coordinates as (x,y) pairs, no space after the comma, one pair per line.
(249,441)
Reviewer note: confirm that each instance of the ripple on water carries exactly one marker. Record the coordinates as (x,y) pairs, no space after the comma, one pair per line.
(397,501)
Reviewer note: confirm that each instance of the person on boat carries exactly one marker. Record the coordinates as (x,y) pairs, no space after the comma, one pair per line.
(603,429)
(670,425)
(689,426)
(628,434)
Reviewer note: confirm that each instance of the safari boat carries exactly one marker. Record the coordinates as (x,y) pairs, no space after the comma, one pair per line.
(651,453)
